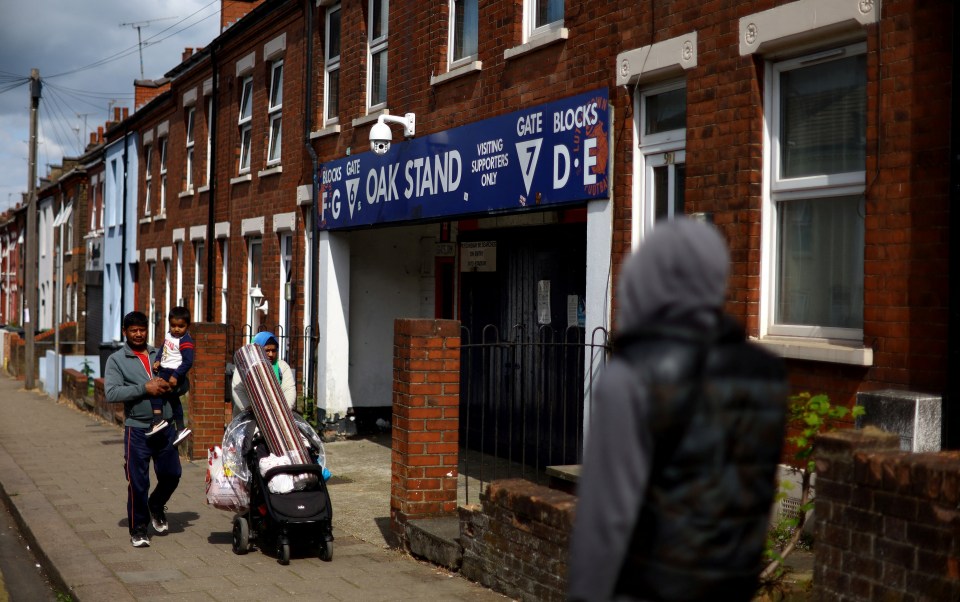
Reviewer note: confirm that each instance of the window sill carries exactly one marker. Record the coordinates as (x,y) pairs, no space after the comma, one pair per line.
(270,171)
(185,194)
(239,179)
(160,217)
(462,70)
(370,117)
(203,188)
(818,350)
(145,220)
(330,130)
(545,39)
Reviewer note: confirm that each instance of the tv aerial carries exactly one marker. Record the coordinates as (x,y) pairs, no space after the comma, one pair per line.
(138,25)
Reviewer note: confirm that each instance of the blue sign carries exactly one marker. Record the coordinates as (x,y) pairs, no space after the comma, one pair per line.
(546,155)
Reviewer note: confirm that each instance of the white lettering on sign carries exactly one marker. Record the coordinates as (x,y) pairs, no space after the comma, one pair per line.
(530,124)
(426,177)
(353,185)
(579,118)
(382,184)
(528,151)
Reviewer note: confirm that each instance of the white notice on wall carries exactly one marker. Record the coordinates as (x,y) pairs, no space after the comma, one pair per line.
(543,302)
(573,302)
(480,256)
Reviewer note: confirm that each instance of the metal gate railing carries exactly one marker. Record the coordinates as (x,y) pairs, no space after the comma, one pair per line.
(522,402)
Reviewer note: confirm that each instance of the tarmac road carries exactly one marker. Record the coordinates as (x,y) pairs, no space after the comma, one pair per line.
(21,575)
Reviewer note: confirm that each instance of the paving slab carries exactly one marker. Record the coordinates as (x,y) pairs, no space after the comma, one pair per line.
(62,471)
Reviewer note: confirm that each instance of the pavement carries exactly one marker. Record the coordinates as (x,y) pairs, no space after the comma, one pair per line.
(61,470)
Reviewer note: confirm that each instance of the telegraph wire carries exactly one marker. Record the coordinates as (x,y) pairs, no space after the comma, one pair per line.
(135,48)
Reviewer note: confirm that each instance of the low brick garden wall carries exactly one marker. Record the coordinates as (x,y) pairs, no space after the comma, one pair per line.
(888,522)
(516,541)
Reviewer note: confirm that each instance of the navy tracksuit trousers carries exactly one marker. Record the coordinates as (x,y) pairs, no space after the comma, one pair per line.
(138,450)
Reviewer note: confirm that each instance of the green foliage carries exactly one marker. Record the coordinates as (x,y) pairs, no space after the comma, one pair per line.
(87,371)
(809,416)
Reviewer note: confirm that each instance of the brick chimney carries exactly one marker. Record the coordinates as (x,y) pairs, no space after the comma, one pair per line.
(232,11)
(145,90)
(187,53)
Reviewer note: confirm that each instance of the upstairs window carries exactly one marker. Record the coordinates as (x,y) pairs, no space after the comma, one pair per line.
(377,63)
(148,180)
(275,112)
(163,176)
(332,66)
(542,16)
(463,31)
(190,117)
(245,123)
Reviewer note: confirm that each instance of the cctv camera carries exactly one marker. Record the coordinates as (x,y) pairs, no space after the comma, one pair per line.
(380,138)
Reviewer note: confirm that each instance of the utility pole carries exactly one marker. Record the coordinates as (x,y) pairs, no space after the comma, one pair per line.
(30,268)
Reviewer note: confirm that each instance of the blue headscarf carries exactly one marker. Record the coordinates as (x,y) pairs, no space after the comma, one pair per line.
(264,338)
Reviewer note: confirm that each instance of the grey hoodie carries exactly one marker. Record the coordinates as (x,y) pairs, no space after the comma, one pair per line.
(669,480)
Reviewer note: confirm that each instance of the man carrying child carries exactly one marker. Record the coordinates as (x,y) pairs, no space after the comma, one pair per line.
(172,365)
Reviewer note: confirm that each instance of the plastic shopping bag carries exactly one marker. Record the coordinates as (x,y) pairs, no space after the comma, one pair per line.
(225,490)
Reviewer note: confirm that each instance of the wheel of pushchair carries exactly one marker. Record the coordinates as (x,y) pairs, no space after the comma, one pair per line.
(241,535)
(326,550)
(283,551)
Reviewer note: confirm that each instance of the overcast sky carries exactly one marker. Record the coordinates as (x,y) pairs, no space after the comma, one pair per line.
(88,61)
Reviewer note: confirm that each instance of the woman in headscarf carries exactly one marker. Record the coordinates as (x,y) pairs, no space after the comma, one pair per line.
(281,370)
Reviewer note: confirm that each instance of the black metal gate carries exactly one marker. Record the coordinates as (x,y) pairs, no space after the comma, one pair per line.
(522,401)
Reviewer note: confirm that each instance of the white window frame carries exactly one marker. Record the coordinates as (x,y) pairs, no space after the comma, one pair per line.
(654,150)
(198,263)
(209,117)
(275,112)
(331,102)
(191,115)
(94,214)
(166,286)
(244,122)
(452,61)
(286,281)
(530,27)
(163,176)
(252,318)
(151,303)
(68,226)
(376,46)
(148,180)
(779,190)
(102,188)
(179,296)
(224,277)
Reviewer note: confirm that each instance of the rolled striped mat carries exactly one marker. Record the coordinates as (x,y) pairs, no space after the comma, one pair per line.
(269,407)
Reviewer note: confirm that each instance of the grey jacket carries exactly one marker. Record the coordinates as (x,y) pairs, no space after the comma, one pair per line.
(125,380)
(685,435)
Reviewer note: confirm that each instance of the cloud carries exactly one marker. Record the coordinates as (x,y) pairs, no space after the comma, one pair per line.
(61,38)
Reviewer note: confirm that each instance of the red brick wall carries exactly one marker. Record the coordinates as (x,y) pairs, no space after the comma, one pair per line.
(888,525)
(209,409)
(426,411)
(516,542)
(907,143)
(232,11)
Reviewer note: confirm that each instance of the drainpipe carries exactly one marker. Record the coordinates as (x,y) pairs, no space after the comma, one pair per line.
(315,193)
(123,232)
(951,413)
(212,186)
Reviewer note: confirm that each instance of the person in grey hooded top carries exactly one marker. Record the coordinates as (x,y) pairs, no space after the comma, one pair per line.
(684,438)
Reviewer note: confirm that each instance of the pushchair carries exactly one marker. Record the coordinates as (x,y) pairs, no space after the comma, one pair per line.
(302,516)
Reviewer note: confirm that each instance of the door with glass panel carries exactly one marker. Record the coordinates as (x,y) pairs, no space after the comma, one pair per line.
(665,179)
(660,168)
